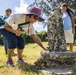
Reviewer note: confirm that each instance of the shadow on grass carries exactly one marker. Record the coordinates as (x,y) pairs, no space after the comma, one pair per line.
(14,55)
(27,67)
(2,66)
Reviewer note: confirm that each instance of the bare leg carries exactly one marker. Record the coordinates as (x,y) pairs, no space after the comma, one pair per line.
(9,61)
(20,51)
(10,51)
(20,60)
(71,47)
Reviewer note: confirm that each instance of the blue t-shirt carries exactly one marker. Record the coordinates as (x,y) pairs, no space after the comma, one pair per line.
(67,23)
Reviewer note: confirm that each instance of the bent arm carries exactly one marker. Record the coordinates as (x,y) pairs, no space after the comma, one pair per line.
(8,28)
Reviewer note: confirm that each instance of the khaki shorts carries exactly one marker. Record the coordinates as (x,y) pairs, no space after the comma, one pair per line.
(69,36)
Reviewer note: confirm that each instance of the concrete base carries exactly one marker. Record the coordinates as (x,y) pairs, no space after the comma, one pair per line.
(55,72)
(58,63)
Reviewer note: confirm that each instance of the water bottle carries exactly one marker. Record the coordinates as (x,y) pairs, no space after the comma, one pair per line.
(15,26)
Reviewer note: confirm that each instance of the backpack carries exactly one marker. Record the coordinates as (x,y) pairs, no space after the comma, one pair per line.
(2,22)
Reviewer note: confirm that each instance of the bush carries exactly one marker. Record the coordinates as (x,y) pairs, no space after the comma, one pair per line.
(42,35)
(28,39)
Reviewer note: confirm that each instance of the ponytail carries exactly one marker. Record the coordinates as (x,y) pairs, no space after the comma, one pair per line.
(69,11)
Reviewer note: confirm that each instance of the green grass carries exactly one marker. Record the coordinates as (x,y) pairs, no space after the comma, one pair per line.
(31,54)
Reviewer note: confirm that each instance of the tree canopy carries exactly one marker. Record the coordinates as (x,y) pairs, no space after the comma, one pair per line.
(48,5)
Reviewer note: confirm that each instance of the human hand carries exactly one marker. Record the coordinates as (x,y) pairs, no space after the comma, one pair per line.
(42,52)
(73,31)
(18,32)
(46,49)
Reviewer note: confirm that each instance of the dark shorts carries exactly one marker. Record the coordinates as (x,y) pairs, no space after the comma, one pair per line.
(13,40)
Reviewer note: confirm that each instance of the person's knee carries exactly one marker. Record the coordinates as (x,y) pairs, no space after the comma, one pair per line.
(21,43)
(12,44)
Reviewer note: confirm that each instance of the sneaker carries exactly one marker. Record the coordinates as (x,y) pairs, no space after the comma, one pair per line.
(10,63)
(20,60)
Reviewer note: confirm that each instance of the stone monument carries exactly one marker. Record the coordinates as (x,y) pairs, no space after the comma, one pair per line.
(58,60)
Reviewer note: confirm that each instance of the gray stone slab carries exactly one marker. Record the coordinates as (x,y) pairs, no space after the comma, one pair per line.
(55,71)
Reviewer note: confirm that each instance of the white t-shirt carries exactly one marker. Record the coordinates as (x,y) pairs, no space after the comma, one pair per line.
(18,19)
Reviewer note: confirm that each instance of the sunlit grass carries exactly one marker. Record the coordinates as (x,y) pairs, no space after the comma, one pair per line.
(31,54)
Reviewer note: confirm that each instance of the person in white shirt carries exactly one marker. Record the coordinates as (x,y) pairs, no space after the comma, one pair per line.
(14,35)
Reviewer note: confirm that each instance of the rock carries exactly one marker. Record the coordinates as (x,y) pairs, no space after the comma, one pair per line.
(57,60)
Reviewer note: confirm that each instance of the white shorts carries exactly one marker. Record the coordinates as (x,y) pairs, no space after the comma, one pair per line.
(69,36)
